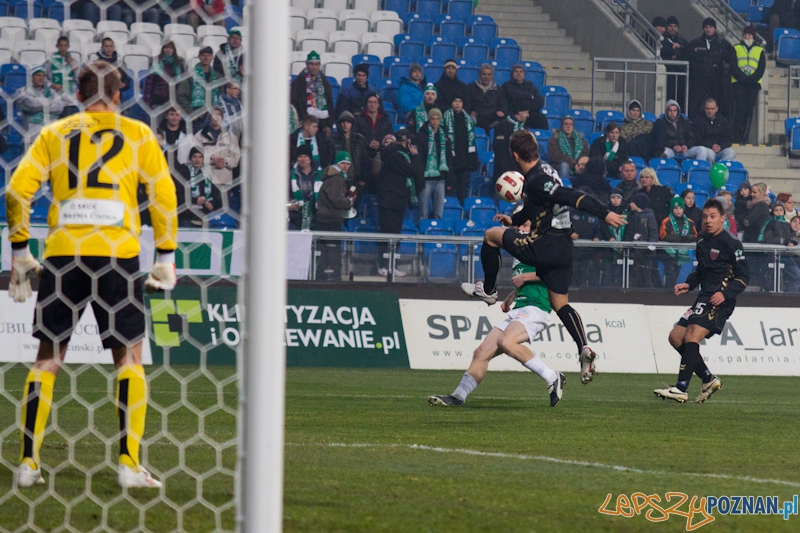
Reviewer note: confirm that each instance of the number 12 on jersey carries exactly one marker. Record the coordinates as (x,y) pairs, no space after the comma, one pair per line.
(92,177)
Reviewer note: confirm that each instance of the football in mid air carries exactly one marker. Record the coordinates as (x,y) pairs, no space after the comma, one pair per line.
(509,186)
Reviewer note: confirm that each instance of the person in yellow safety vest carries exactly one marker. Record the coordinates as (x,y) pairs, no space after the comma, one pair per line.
(748,64)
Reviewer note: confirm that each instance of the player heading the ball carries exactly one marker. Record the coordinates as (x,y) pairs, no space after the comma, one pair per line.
(94,161)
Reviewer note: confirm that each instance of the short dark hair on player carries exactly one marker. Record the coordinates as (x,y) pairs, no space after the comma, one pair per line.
(96,76)
(524,144)
(713,203)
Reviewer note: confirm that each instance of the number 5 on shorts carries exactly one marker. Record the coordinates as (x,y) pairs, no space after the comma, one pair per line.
(699,308)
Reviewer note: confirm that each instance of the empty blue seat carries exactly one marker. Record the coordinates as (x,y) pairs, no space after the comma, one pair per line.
(461,8)
(20,9)
(756,13)
(396,66)
(407,46)
(433,67)
(697,173)
(388,90)
(468,71)
(429,7)
(584,121)
(55,11)
(452,26)
(542,138)
(443,262)
(502,71)
(777,33)
(453,212)
(441,47)
(737,174)
(740,6)
(398,6)
(481,209)
(788,50)
(789,124)
(473,49)
(483,27)
(553,118)
(481,140)
(434,226)
(607,116)
(14,77)
(373,62)
(638,161)
(650,117)
(506,50)
(535,73)
(556,98)
(418,25)
(470,228)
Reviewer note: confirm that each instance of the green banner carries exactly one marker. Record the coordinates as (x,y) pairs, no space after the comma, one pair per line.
(196,324)
(344,329)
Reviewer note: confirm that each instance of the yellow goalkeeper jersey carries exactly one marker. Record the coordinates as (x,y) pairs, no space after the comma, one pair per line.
(95,162)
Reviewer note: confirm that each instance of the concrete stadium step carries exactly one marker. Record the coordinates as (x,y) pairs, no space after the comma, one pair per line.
(536,41)
(513,19)
(559,56)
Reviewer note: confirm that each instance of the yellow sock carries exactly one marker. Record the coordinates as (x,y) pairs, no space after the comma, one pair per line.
(36,401)
(131,409)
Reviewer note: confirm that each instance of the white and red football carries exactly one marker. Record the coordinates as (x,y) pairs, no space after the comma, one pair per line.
(509,186)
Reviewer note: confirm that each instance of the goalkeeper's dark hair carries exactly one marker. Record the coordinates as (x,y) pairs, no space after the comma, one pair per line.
(524,144)
(99,80)
(713,203)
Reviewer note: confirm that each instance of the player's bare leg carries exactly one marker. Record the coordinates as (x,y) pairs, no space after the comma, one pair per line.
(484,353)
(572,321)
(491,262)
(511,343)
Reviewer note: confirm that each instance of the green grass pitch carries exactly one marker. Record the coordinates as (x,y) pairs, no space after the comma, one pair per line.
(365,452)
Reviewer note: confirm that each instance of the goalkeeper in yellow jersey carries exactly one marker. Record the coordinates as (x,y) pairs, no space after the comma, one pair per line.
(94,161)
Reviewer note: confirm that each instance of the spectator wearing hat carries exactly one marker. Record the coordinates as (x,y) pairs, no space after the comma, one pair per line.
(354,97)
(346,139)
(523,94)
(449,87)
(168,70)
(419,116)
(460,130)
(612,148)
(707,56)
(713,133)
(435,160)
(229,59)
(397,188)
(332,207)
(205,88)
(748,65)
(740,199)
(642,227)
(309,135)
(487,101)
(39,104)
(612,273)
(374,125)
(305,181)
(660,24)
(197,194)
(673,48)
(311,94)
(410,90)
(677,227)
(514,121)
(566,146)
(636,130)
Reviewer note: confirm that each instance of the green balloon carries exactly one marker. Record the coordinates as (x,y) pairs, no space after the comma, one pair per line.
(718,175)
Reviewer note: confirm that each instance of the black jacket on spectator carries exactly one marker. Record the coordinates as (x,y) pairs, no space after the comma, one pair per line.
(673,54)
(598,149)
(587,226)
(757,216)
(333,203)
(628,188)
(641,223)
(354,98)
(171,137)
(740,210)
(322,146)
(665,135)
(190,214)
(448,90)
(356,146)
(709,132)
(696,216)
(659,195)
(125,80)
(525,95)
(502,158)
(592,178)
(373,131)
(392,188)
(707,57)
(421,142)
(779,232)
(462,158)
(486,104)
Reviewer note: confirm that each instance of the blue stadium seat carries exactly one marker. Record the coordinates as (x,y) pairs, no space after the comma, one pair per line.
(481,140)
(20,9)
(429,7)
(396,66)
(398,6)
(434,226)
(737,174)
(55,10)
(584,121)
(433,68)
(473,49)
(3,13)
(483,27)
(368,208)
(542,138)
(638,161)
(789,124)
(406,248)
(777,33)
(407,46)
(468,71)
(650,117)
(502,71)
(556,99)
(697,173)
(470,228)
(443,262)
(14,77)
(367,251)
(388,90)
(453,212)
(223,221)
(740,6)
(607,116)
(756,13)
(418,26)
(347,82)
(788,50)
(452,26)
(441,47)
(535,73)
(553,118)
(480,209)
(461,8)
(506,50)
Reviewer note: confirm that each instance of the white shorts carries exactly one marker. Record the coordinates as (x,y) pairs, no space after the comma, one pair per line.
(534,319)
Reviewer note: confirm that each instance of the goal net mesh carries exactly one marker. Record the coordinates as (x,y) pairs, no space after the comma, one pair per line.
(192,332)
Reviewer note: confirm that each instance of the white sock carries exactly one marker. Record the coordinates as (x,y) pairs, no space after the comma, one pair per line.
(466,386)
(543,371)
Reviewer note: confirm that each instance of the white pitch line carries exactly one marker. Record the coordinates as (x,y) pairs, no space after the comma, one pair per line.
(544,458)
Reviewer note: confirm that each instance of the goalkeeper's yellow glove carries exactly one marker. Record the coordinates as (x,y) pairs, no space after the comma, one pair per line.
(162,277)
(23,267)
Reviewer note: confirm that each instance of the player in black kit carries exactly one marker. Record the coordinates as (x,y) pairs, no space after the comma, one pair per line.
(721,274)
(548,245)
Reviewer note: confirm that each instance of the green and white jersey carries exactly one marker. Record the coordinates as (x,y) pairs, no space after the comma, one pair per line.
(532,293)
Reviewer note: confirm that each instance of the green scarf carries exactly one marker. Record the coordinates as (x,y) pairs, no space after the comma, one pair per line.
(517,125)
(566,149)
(409,182)
(434,167)
(764,227)
(196,178)
(38,117)
(294,121)
(449,120)
(726,223)
(297,194)
(58,68)
(233,62)
(611,150)
(159,66)
(420,117)
(199,86)
(618,233)
(682,253)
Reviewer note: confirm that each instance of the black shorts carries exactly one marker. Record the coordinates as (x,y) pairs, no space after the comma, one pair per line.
(550,254)
(708,316)
(112,286)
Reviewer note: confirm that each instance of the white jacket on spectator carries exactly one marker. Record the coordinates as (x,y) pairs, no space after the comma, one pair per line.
(226,147)
(39,107)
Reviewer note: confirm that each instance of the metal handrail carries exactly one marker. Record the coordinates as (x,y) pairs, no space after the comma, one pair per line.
(639,66)
(637,23)
(733,22)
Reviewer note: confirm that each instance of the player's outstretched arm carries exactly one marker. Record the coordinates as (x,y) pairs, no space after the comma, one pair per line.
(681,288)
(506,305)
